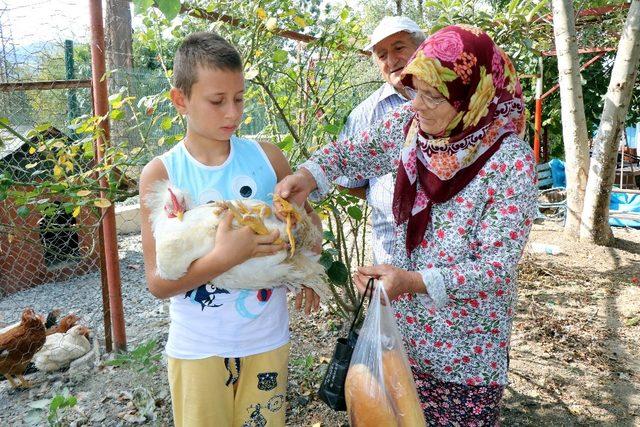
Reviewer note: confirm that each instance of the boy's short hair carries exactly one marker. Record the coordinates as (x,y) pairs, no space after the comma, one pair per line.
(205,49)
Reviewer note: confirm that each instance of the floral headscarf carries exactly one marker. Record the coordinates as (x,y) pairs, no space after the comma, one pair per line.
(480,82)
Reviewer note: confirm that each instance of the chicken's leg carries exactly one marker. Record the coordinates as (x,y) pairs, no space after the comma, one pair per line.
(24,382)
(11,380)
(253,222)
(288,211)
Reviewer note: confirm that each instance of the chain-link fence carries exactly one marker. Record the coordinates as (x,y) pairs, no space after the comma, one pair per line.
(50,281)
(54,188)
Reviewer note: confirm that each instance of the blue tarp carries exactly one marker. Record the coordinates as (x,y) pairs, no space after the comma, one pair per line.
(624,202)
(557,173)
(632,136)
(627,203)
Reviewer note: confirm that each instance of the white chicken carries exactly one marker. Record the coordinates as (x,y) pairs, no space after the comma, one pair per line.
(184,233)
(61,349)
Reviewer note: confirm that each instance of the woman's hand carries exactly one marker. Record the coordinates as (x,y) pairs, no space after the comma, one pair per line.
(296,187)
(396,280)
(237,246)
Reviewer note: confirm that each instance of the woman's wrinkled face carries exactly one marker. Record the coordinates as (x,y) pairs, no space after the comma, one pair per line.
(434,111)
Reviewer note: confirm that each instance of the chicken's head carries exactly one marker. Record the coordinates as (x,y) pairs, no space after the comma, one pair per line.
(175,203)
(27,314)
(67,322)
(30,318)
(80,330)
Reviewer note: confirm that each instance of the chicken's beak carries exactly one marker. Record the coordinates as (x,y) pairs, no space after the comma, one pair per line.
(179,215)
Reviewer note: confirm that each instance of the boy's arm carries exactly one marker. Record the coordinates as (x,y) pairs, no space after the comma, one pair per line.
(282,168)
(232,246)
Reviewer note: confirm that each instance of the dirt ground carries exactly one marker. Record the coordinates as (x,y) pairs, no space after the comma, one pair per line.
(575,352)
(575,356)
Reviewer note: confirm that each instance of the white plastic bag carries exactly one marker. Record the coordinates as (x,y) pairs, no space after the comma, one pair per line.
(380,390)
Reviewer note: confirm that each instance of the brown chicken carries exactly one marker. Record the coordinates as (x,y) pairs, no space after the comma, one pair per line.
(19,344)
(66,323)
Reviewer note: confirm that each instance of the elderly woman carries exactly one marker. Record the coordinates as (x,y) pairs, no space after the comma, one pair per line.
(464,200)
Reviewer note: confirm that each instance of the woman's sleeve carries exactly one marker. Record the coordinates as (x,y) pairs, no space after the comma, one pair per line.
(503,231)
(369,153)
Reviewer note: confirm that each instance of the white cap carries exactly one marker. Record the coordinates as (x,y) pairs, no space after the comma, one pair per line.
(390,25)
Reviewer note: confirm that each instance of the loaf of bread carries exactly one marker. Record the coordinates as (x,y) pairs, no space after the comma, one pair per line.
(400,387)
(367,403)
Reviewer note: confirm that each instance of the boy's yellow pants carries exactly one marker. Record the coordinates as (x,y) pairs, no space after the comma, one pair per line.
(230,392)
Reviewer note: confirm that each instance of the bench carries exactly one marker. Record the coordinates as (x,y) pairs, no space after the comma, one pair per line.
(552,201)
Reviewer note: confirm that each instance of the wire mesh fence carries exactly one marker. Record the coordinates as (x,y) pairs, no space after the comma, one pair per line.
(53,191)
(49,247)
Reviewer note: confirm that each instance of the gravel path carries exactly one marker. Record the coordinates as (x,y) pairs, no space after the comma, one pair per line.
(574,359)
(110,395)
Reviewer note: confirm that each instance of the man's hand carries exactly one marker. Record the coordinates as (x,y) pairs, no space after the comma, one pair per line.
(396,280)
(311,300)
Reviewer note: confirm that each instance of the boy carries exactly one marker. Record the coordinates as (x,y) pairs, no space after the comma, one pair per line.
(227,349)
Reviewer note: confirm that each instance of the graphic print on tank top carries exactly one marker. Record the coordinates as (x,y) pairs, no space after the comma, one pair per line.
(248,300)
(205,295)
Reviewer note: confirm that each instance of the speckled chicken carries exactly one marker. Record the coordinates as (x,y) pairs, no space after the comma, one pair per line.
(184,233)
(19,344)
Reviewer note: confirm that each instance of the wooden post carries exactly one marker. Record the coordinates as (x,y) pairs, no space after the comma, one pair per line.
(538,112)
(101,109)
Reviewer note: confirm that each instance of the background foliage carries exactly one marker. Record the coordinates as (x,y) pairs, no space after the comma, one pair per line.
(298,96)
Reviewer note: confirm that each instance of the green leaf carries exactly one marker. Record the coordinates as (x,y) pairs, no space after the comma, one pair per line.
(280,56)
(338,273)
(287,143)
(166,123)
(141,6)
(23,211)
(56,402)
(116,115)
(332,251)
(327,235)
(632,322)
(355,212)
(332,129)
(326,260)
(169,8)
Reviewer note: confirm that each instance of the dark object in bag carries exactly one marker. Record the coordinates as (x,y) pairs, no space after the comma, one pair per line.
(332,388)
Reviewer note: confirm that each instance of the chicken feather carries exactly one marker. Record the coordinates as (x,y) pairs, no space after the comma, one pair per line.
(180,241)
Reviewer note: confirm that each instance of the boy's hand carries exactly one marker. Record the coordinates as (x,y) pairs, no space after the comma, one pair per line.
(239,245)
(311,300)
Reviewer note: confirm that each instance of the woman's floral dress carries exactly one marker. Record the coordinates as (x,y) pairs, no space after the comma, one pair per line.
(459,332)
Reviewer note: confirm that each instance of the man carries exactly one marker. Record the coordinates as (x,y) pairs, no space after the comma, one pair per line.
(392,43)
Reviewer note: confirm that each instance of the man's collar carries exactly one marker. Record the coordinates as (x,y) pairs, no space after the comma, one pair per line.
(388,90)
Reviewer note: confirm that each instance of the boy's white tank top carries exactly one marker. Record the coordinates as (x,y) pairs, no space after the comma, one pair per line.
(210,321)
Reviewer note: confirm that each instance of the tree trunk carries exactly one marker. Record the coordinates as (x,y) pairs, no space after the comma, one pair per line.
(119,50)
(119,35)
(399,7)
(574,125)
(595,218)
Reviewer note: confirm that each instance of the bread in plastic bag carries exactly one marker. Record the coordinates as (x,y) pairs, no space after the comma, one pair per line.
(379,389)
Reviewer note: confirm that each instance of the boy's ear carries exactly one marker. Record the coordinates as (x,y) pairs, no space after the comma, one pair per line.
(178,98)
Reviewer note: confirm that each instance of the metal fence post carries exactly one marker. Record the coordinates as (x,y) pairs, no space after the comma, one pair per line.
(72,99)
(101,109)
